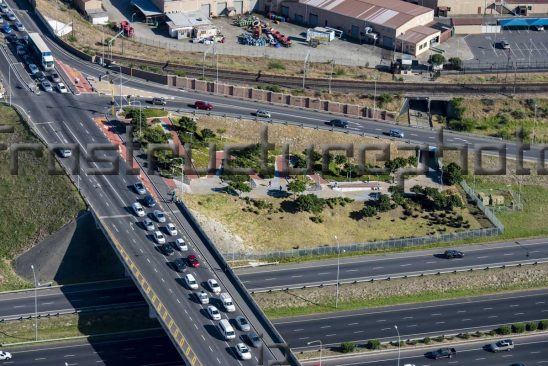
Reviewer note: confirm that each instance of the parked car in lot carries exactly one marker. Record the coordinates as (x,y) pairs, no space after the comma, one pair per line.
(262,113)
(6,28)
(503,345)
(442,353)
(538,28)
(33,69)
(159,216)
(46,85)
(149,201)
(149,225)
(193,261)
(62,88)
(242,323)
(138,209)
(504,45)
(243,352)
(19,26)
(190,282)
(12,38)
(214,286)
(179,265)
(21,50)
(452,253)
(180,245)
(159,237)
(213,313)
(4,8)
(199,104)
(338,123)
(171,229)
(11,16)
(166,249)
(202,297)
(139,187)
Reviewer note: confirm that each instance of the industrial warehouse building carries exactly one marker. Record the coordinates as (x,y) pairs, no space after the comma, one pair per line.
(206,7)
(448,8)
(395,23)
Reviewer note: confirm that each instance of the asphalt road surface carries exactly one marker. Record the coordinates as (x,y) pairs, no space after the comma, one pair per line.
(415,320)
(528,350)
(382,266)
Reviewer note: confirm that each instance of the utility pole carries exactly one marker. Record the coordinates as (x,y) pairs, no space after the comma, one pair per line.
(331,73)
(35,304)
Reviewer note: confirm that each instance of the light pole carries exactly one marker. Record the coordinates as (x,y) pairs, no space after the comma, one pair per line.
(375,97)
(338,271)
(534,124)
(304,67)
(331,74)
(121,95)
(35,303)
(321,348)
(9,79)
(399,344)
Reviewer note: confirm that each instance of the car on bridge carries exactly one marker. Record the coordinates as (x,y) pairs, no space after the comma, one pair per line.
(190,282)
(253,339)
(213,313)
(138,209)
(139,188)
(441,353)
(19,26)
(33,69)
(149,225)
(167,249)
(179,265)
(213,286)
(6,28)
(243,352)
(159,237)
(503,345)
(242,323)
(193,261)
(180,245)
(159,216)
(149,201)
(55,77)
(4,8)
(62,88)
(46,85)
(171,229)
(11,16)
(202,297)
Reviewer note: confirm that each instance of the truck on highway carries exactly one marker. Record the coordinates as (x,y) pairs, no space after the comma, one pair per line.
(41,51)
(227,302)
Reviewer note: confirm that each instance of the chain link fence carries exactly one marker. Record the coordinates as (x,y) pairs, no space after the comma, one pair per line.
(391,244)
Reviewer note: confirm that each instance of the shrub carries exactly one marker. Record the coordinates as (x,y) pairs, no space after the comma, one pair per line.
(461,125)
(426,340)
(456,63)
(347,347)
(310,203)
(504,330)
(531,326)
(437,59)
(373,344)
(369,211)
(339,72)
(518,327)
(543,325)
(276,65)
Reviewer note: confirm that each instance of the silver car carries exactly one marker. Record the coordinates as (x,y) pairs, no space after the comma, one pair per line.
(159,216)
(242,323)
(503,345)
(46,85)
(148,225)
(263,114)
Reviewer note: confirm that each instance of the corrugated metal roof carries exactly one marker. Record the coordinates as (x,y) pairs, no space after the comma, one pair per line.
(417,34)
(390,13)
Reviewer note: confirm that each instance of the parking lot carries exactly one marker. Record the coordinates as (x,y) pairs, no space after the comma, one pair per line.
(526,46)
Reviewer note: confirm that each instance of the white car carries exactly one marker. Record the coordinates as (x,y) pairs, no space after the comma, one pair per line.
(503,345)
(62,88)
(243,352)
(138,209)
(65,153)
(149,225)
(242,323)
(213,313)
(214,286)
(33,69)
(5,356)
(202,297)
(159,216)
(180,244)
(159,237)
(190,282)
(139,187)
(171,229)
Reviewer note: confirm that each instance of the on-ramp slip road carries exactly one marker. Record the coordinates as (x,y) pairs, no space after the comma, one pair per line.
(382,266)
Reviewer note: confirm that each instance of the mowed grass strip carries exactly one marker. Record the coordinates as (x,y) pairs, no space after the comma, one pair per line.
(74,325)
(33,203)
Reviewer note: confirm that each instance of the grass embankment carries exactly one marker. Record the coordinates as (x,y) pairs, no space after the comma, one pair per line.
(402,291)
(33,204)
(85,324)
(147,112)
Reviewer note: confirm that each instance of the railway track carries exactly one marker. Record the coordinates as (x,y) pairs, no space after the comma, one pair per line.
(239,77)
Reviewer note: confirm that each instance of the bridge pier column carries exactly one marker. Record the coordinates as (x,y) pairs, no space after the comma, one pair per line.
(152,313)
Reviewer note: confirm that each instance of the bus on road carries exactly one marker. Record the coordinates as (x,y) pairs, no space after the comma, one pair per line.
(41,51)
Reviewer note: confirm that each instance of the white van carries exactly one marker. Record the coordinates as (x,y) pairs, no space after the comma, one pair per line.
(226,330)
(190,282)
(227,302)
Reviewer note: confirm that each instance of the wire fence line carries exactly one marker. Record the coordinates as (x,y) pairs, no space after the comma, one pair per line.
(391,244)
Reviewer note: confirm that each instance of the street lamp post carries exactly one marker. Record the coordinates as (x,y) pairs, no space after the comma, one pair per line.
(399,343)
(304,68)
(35,303)
(321,348)
(338,271)
(121,94)
(331,74)
(375,98)
(9,79)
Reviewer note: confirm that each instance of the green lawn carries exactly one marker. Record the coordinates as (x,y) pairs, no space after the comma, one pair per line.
(33,204)
(77,325)
(149,112)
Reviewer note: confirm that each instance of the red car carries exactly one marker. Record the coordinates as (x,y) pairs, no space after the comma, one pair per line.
(203,105)
(193,261)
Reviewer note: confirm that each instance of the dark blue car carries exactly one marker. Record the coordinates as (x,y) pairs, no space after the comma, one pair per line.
(6,28)
(149,201)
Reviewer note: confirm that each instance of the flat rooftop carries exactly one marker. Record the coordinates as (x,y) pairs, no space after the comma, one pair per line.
(389,13)
(187,20)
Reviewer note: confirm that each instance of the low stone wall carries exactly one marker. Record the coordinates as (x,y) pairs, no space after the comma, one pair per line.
(244,92)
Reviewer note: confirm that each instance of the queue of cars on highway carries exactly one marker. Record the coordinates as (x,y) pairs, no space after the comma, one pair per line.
(168,243)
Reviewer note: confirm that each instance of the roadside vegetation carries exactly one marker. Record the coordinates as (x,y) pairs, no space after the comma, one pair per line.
(84,324)
(400,291)
(33,204)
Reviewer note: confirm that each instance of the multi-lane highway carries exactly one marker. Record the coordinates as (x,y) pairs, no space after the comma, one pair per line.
(528,351)
(382,266)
